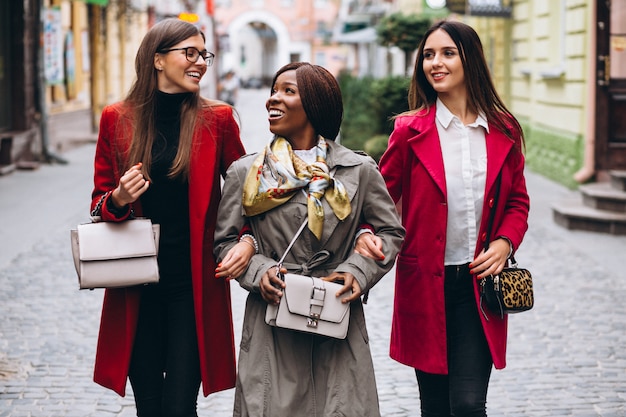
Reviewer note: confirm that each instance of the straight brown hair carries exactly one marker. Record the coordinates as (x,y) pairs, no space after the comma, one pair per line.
(482,95)
(141,100)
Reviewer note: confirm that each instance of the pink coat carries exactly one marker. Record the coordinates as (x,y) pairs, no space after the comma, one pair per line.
(216,145)
(414,173)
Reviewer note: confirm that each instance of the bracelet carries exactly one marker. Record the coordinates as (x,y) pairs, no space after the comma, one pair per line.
(254,243)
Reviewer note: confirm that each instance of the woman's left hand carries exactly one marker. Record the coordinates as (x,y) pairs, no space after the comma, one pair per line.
(349,282)
(492,261)
(235,262)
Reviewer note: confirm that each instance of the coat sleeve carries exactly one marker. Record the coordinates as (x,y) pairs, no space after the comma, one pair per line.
(105,177)
(514,223)
(378,211)
(230,222)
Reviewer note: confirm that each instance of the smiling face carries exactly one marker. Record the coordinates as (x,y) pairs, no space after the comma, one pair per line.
(175,73)
(286,114)
(442,64)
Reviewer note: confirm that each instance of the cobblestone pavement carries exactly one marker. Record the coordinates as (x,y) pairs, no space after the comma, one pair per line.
(567,356)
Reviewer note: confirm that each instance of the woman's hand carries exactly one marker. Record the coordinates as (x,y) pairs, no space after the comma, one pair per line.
(370,245)
(131,186)
(349,282)
(492,261)
(235,262)
(272,286)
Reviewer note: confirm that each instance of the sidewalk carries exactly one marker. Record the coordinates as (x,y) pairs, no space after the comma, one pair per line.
(566,356)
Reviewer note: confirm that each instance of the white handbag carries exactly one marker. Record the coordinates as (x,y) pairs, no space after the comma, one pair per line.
(115,255)
(309,304)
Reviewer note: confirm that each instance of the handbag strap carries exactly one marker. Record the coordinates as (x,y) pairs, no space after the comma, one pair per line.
(299,231)
(96,213)
(496,196)
(295,237)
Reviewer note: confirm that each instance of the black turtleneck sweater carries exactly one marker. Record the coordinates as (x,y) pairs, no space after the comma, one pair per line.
(166,201)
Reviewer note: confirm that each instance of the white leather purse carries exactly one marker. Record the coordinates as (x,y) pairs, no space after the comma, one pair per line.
(309,304)
(115,255)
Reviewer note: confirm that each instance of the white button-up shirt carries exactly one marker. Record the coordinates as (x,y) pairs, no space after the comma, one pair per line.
(465,163)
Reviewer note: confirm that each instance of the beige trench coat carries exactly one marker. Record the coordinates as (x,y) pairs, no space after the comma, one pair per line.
(284,373)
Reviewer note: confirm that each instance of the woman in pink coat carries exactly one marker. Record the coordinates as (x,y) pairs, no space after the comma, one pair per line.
(441,166)
(160,154)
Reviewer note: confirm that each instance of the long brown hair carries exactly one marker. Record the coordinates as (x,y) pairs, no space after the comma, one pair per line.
(320,95)
(482,95)
(141,99)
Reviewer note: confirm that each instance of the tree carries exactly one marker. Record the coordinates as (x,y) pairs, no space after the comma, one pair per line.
(404,32)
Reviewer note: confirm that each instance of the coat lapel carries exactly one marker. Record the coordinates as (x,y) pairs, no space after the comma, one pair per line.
(339,157)
(427,149)
(498,147)
(201,172)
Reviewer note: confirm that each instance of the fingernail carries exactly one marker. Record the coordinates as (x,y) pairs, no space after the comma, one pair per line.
(220,264)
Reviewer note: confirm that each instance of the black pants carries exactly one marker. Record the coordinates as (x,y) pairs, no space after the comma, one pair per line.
(463,392)
(165,367)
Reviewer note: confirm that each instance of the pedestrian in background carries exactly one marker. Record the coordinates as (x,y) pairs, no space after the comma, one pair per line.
(303,172)
(442,162)
(160,155)
(229,88)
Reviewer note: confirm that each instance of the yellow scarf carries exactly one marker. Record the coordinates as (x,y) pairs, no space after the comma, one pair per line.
(278,173)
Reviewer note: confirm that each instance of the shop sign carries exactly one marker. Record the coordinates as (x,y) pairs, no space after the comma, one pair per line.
(53,46)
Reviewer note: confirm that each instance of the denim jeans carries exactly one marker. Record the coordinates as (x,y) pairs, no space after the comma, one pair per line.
(463,391)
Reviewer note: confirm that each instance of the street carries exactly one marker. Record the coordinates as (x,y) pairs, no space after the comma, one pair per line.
(566,357)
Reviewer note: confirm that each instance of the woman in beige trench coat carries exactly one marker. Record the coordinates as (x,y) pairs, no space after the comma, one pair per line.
(284,373)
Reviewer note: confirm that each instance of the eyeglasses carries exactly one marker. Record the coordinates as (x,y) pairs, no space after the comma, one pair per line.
(192,54)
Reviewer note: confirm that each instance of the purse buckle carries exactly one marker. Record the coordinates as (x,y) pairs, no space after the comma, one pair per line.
(317,303)
(312,320)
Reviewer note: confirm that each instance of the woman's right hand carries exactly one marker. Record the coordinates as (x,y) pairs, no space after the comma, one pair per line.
(132,185)
(271,286)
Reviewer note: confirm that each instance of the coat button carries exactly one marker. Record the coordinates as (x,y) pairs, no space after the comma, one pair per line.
(483,237)
(491,203)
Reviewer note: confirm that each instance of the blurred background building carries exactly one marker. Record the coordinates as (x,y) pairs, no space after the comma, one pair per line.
(559,65)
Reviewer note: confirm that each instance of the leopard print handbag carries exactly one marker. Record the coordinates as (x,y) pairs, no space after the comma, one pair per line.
(510,291)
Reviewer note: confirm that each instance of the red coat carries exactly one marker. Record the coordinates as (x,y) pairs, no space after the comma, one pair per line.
(216,145)
(414,171)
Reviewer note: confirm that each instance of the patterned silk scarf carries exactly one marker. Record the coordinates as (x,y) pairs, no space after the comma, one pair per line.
(277,174)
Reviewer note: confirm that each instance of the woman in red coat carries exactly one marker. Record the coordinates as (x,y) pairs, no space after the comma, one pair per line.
(160,154)
(441,165)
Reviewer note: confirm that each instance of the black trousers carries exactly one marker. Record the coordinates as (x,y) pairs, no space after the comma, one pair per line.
(463,392)
(165,367)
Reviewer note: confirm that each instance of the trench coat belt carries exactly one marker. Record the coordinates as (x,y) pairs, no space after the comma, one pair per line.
(314,262)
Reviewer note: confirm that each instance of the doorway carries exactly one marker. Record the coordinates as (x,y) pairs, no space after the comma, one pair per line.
(611,86)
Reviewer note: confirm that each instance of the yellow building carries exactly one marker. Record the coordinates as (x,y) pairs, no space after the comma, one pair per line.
(89,62)
(561,67)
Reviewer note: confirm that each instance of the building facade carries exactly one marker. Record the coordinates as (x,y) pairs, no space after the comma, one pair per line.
(561,66)
(20,95)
